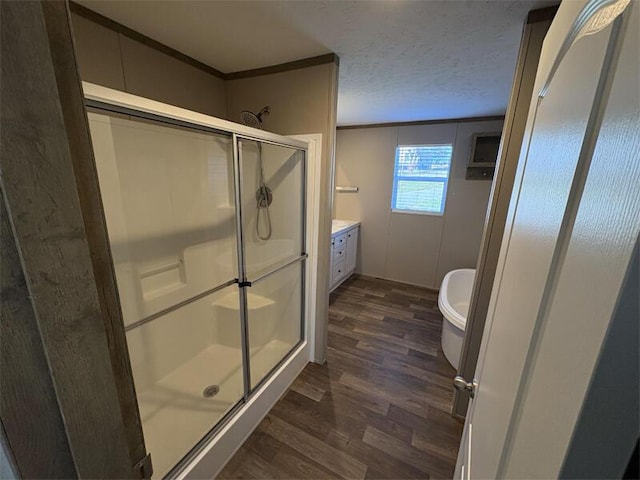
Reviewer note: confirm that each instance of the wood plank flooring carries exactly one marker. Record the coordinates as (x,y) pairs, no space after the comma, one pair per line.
(379,407)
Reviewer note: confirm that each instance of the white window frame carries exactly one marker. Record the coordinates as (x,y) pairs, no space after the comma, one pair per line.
(445,181)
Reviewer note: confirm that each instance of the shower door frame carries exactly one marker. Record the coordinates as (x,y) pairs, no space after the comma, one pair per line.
(256,400)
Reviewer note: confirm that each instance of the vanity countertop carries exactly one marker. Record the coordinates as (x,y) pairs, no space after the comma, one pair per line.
(338,226)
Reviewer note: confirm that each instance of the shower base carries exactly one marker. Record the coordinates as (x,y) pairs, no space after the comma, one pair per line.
(176,415)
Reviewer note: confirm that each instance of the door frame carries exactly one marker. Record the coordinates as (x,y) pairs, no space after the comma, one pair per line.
(66,383)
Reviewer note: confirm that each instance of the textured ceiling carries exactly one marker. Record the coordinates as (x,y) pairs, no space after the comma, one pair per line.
(400,60)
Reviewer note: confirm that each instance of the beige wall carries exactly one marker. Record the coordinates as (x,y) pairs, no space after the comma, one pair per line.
(111,59)
(301,101)
(416,249)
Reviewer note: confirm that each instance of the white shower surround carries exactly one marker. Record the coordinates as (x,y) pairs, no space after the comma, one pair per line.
(166,389)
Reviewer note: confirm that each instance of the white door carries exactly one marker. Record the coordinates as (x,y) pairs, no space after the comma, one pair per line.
(573,221)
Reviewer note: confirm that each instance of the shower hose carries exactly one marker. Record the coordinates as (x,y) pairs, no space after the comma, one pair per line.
(262,201)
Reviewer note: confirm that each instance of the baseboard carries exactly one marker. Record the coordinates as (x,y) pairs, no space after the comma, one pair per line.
(431,289)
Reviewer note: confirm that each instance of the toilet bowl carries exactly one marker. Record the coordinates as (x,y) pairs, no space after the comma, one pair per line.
(453,301)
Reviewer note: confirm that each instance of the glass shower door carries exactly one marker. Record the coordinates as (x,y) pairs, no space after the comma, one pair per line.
(272,183)
(170,208)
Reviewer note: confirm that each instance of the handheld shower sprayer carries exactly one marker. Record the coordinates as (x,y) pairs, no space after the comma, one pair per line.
(264,195)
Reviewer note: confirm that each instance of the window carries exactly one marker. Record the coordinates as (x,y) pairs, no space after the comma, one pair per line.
(420,178)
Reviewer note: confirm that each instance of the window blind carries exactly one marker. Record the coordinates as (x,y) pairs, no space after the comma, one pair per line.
(420,178)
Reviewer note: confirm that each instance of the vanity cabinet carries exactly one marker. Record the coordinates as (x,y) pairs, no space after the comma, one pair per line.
(344,253)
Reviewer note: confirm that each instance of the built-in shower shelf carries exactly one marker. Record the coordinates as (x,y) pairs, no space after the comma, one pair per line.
(254,301)
(163,279)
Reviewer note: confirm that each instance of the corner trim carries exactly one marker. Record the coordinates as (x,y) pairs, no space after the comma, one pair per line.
(285,67)
(424,122)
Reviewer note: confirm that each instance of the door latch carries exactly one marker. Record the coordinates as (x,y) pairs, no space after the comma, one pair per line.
(462,385)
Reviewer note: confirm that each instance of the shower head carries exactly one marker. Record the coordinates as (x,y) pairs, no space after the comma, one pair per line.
(254,120)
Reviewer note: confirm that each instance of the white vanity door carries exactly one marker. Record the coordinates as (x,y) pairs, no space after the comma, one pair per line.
(352,249)
(332,277)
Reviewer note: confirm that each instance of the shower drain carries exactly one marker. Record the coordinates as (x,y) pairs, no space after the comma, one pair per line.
(210,391)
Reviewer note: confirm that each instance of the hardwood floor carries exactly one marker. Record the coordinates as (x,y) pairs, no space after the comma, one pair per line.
(379,407)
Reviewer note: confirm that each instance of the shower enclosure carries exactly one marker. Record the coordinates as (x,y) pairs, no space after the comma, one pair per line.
(211,309)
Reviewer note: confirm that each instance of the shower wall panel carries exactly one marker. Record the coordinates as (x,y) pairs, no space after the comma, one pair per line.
(172,224)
